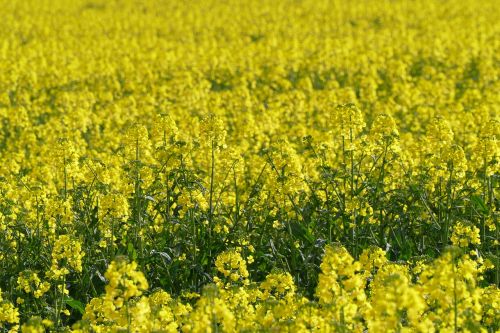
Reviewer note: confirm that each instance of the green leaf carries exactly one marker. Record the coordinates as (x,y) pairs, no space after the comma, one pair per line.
(74,304)
(132,253)
(479,204)
(300,231)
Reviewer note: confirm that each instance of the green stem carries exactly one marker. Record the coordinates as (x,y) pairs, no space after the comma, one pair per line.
(211,212)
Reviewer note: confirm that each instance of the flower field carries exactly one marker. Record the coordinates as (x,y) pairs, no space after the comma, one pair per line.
(249,166)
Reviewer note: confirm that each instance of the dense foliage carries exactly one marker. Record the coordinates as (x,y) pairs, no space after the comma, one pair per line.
(269,166)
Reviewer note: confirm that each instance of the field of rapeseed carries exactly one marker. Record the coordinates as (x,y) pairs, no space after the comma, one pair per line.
(249,166)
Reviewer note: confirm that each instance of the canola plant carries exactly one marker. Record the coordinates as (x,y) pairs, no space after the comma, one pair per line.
(249,166)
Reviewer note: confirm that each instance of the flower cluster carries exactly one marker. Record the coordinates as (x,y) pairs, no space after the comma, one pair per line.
(67,256)
(9,315)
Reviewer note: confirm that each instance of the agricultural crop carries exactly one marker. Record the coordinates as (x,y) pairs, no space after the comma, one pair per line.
(249,166)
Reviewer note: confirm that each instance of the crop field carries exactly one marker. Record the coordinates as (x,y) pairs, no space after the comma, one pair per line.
(249,166)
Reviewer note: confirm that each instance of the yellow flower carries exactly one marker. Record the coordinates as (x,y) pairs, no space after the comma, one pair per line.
(464,235)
